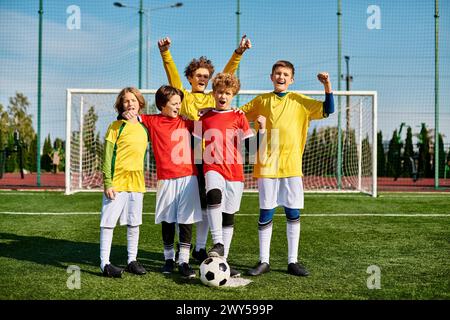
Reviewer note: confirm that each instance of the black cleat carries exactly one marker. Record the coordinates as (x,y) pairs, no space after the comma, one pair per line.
(234,273)
(136,268)
(168,267)
(186,271)
(112,271)
(260,268)
(297,269)
(216,251)
(199,255)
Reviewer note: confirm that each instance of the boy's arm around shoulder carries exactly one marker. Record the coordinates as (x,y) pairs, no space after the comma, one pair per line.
(253,107)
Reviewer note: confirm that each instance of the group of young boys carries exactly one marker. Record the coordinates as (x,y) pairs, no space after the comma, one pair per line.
(205,188)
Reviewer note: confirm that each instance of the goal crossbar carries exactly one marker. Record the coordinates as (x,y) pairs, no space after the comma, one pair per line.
(358,173)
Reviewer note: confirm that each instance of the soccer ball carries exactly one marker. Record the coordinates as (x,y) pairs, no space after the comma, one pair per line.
(214,272)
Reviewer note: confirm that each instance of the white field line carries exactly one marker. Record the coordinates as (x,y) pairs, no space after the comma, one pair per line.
(256,214)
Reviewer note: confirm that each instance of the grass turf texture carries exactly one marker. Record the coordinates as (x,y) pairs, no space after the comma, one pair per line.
(413,253)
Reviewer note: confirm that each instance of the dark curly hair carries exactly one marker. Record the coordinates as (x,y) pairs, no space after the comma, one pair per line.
(195,64)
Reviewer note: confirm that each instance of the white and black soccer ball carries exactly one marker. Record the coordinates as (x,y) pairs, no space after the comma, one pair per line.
(214,272)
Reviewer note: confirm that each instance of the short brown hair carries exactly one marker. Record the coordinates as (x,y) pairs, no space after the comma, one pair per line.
(226,80)
(195,64)
(118,105)
(285,64)
(164,94)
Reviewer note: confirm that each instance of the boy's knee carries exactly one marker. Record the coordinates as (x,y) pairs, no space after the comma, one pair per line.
(214,197)
(266,215)
(292,214)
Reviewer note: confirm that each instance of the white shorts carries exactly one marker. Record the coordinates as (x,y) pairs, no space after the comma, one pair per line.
(286,192)
(231,191)
(127,206)
(177,200)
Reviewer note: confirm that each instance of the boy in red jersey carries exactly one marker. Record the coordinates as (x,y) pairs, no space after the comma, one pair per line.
(223,130)
(177,198)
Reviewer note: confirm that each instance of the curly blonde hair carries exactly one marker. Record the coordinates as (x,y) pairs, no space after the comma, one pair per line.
(226,80)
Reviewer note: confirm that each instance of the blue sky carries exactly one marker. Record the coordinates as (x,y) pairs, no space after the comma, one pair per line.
(396,60)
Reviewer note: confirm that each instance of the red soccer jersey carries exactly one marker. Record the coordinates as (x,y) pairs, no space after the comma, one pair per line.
(223,132)
(171,143)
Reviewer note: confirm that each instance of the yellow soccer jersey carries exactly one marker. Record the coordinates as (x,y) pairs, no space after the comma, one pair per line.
(287,122)
(193,102)
(127,165)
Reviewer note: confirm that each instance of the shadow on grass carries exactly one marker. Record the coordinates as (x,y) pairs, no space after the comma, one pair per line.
(61,253)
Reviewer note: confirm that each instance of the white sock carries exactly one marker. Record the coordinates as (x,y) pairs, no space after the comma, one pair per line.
(202,232)
(215,223)
(293,238)
(265,235)
(132,242)
(169,253)
(185,249)
(106,235)
(227,236)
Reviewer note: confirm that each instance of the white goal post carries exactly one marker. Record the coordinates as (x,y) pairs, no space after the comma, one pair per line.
(340,153)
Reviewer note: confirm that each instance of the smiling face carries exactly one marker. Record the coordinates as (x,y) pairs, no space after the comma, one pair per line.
(172,107)
(199,79)
(282,78)
(223,97)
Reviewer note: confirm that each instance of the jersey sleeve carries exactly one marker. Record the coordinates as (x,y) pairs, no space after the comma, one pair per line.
(171,70)
(245,127)
(189,125)
(112,132)
(233,63)
(314,107)
(107,162)
(146,120)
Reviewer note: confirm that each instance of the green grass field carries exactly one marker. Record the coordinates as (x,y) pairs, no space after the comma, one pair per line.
(406,235)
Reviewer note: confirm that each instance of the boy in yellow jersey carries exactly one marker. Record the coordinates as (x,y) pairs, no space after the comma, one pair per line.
(198,72)
(123,177)
(279,170)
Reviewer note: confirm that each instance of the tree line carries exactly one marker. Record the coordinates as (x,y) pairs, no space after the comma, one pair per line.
(18,140)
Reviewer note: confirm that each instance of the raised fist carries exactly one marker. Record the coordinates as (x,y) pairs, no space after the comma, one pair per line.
(164,44)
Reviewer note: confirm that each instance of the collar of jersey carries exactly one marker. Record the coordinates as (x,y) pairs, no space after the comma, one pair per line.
(221,111)
(281,94)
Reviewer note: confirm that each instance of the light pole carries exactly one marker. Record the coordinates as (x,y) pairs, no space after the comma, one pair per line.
(348,79)
(142,11)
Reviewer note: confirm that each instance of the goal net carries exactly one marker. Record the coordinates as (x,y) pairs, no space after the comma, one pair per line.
(340,152)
